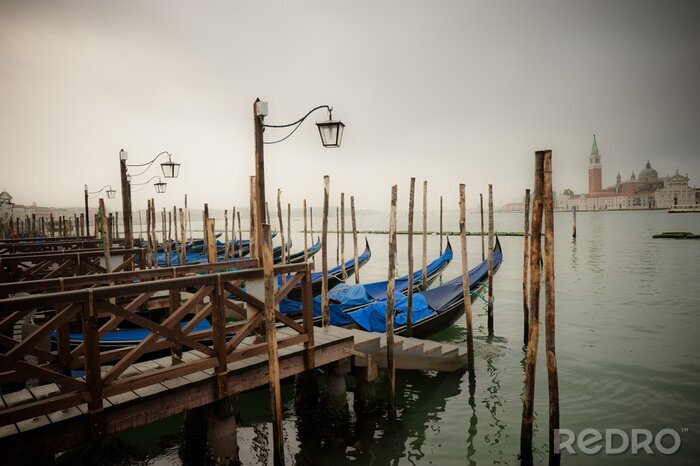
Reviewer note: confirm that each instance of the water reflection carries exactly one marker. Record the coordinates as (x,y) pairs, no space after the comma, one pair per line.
(574,255)
(473,420)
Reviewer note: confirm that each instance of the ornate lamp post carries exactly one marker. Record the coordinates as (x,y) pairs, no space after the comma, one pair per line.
(111,193)
(170,170)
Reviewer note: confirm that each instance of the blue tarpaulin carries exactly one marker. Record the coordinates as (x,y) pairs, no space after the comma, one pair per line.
(373,317)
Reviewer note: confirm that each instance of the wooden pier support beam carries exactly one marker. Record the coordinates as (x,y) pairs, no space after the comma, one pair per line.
(466,290)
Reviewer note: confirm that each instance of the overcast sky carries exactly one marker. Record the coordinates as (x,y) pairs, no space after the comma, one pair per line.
(448,91)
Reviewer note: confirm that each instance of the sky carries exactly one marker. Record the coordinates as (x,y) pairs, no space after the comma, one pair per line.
(446,91)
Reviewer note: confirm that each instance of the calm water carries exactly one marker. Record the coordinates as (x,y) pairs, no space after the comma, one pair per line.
(627,349)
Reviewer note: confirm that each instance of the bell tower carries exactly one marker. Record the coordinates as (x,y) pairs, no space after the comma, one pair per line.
(595,170)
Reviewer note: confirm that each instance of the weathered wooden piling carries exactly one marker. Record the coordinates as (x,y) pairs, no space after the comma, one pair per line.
(342,235)
(534,293)
(105,237)
(240,237)
(573,210)
(441,230)
(354,238)
(483,246)
(306,245)
(390,303)
(149,244)
(153,232)
(289,229)
(226,247)
(526,257)
(466,290)
(254,249)
(552,373)
(491,244)
(210,237)
(183,241)
(116,224)
(424,267)
(282,238)
(272,353)
(337,235)
(232,250)
(325,312)
(409,309)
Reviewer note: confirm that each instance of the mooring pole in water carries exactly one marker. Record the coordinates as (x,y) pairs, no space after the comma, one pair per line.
(226,246)
(390,303)
(424,269)
(233,235)
(483,246)
(337,235)
(282,239)
(154,233)
(325,312)
(254,252)
(441,232)
(289,229)
(211,241)
(526,257)
(573,210)
(164,231)
(342,235)
(140,228)
(491,244)
(270,332)
(148,232)
(105,237)
(531,355)
(306,245)
(170,238)
(183,242)
(205,217)
(354,238)
(549,309)
(409,309)
(466,290)
(240,236)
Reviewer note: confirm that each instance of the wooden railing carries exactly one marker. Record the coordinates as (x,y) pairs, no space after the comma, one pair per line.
(30,245)
(117,278)
(95,313)
(32,266)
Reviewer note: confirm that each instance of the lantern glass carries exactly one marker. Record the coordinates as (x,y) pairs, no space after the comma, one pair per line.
(111,193)
(170,169)
(331,132)
(160,186)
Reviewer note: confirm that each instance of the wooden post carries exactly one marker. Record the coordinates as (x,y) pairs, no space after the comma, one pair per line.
(153,232)
(105,237)
(409,310)
(211,241)
(183,241)
(466,287)
(552,372)
(491,244)
(337,235)
(270,331)
(289,229)
(126,200)
(342,236)
(526,257)
(390,302)
(354,238)
(531,355)
(240,236)
(226,246)
(282,239)
(254,252)
(140,227)
(325,312)
(83,231)
(233,235)
(267,211)
(87,213)
(424,269)
(205,217)
(116,224)
(170,239)
(573,210)
(178,246)
(148,232)
(311,228)
(166,246)
(483,246)
(441,231)
(306,246)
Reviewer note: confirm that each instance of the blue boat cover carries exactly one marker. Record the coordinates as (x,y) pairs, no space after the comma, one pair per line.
(364,257)
(373,317)
(378,290)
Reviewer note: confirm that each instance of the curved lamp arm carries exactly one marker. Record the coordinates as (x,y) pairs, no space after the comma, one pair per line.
(296,124)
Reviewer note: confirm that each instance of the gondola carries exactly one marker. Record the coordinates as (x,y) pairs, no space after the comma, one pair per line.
(345,298)
(335,275)
(434,310)
(298,257)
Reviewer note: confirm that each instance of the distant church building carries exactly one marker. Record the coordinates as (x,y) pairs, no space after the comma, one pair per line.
(646,191)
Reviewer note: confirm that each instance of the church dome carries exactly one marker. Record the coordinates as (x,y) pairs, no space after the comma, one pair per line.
(648,173)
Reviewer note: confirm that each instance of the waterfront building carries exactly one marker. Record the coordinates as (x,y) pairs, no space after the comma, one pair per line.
(646,191)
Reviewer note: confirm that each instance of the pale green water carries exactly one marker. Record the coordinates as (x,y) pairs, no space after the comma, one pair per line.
(627,347)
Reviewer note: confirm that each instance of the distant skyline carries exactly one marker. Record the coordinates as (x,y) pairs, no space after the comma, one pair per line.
(445,91)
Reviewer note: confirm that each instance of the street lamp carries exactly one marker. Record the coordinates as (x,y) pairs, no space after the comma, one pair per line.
(170,168)
(160,185)
(331,132)
(111,193)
